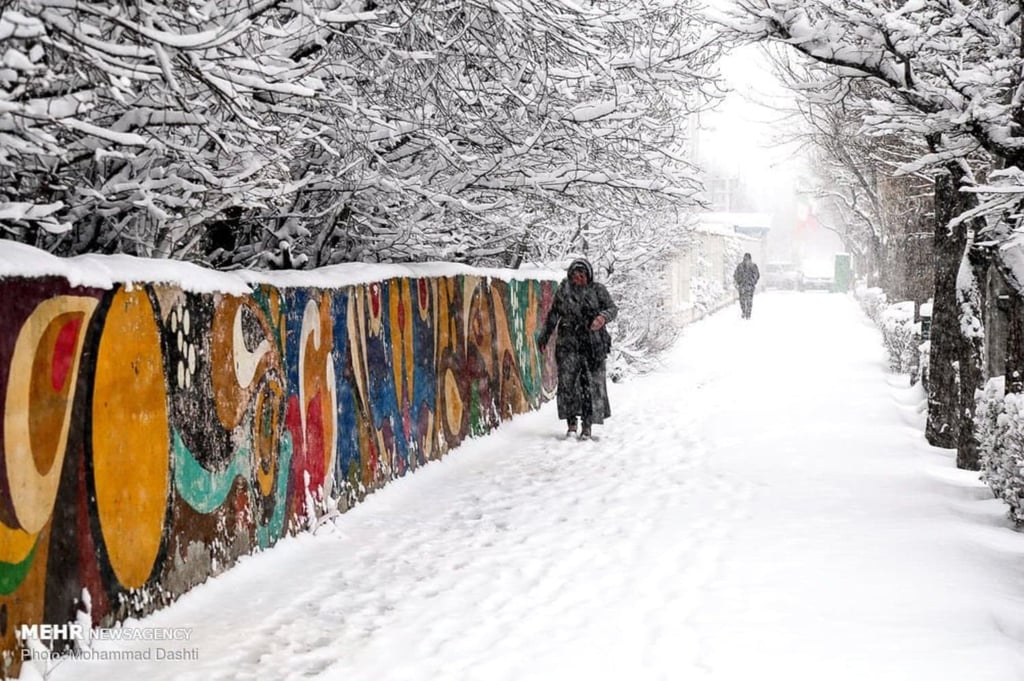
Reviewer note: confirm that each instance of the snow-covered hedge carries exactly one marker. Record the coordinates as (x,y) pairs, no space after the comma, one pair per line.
(900,334)
(1000,424)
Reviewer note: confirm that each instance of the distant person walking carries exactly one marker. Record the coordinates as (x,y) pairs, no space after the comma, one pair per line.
(746,276)
(579,311)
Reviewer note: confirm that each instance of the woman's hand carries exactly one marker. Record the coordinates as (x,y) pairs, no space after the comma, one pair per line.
(597,323)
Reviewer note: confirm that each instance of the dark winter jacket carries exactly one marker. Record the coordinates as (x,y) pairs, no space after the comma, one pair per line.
(746,276)
(579,352)
(573,310)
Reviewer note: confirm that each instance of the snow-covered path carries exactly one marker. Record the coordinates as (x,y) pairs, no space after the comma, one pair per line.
(764,507)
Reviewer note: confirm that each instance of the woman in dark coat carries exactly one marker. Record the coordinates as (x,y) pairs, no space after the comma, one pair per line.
(580,310)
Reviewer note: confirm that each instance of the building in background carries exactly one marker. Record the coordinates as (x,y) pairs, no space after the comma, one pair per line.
(755,226)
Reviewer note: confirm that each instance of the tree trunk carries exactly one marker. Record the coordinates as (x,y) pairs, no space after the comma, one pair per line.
(1015,347)
(972,358)
(943,426)
(957,337)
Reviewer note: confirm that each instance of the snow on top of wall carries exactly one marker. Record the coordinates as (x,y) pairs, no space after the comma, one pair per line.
(717,229)
(726,223)
(104,271)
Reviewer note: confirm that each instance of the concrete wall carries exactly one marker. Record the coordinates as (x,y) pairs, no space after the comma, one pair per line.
(151,436)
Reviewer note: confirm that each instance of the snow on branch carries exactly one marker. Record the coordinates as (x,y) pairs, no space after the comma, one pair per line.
(589,111)
(341,17)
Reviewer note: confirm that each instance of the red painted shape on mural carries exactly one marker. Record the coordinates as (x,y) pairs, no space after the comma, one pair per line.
(401,314)
(293,422)
(308,451)
(375,300)
(315,453)
(421,292)
(64,353)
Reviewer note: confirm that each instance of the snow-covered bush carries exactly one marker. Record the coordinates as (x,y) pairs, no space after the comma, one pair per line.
(645,328)
(707,293)
(900,333)
(873,301)
(1000,427)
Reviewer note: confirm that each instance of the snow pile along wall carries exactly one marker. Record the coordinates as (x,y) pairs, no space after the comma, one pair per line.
(152,435)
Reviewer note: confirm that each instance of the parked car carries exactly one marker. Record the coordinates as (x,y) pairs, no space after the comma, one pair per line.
(816,277)
(781,275)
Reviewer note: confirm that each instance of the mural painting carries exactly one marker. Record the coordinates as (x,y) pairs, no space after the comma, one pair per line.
(151,436)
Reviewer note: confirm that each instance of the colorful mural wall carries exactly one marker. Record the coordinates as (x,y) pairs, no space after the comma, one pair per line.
(151,436)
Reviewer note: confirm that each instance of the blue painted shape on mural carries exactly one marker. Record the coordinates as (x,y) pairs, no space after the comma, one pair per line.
(424,396)
(383,400)
(294,302)
(347,430)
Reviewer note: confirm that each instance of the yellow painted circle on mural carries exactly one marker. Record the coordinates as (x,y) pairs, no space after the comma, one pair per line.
(265,435)
(130,437)
(452,403)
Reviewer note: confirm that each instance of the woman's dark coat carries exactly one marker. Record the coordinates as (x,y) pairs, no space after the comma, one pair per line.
(579,352)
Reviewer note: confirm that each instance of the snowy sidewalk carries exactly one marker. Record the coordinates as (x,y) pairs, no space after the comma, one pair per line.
(764,508)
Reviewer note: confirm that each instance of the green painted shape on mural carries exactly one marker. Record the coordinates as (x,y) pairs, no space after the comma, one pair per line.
(272,531)
(203,489)
(527,355)
(13,574)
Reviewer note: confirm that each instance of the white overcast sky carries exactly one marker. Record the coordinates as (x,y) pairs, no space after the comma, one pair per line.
(739,136)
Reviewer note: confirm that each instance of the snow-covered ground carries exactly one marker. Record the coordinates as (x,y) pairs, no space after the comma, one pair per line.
(763,508)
